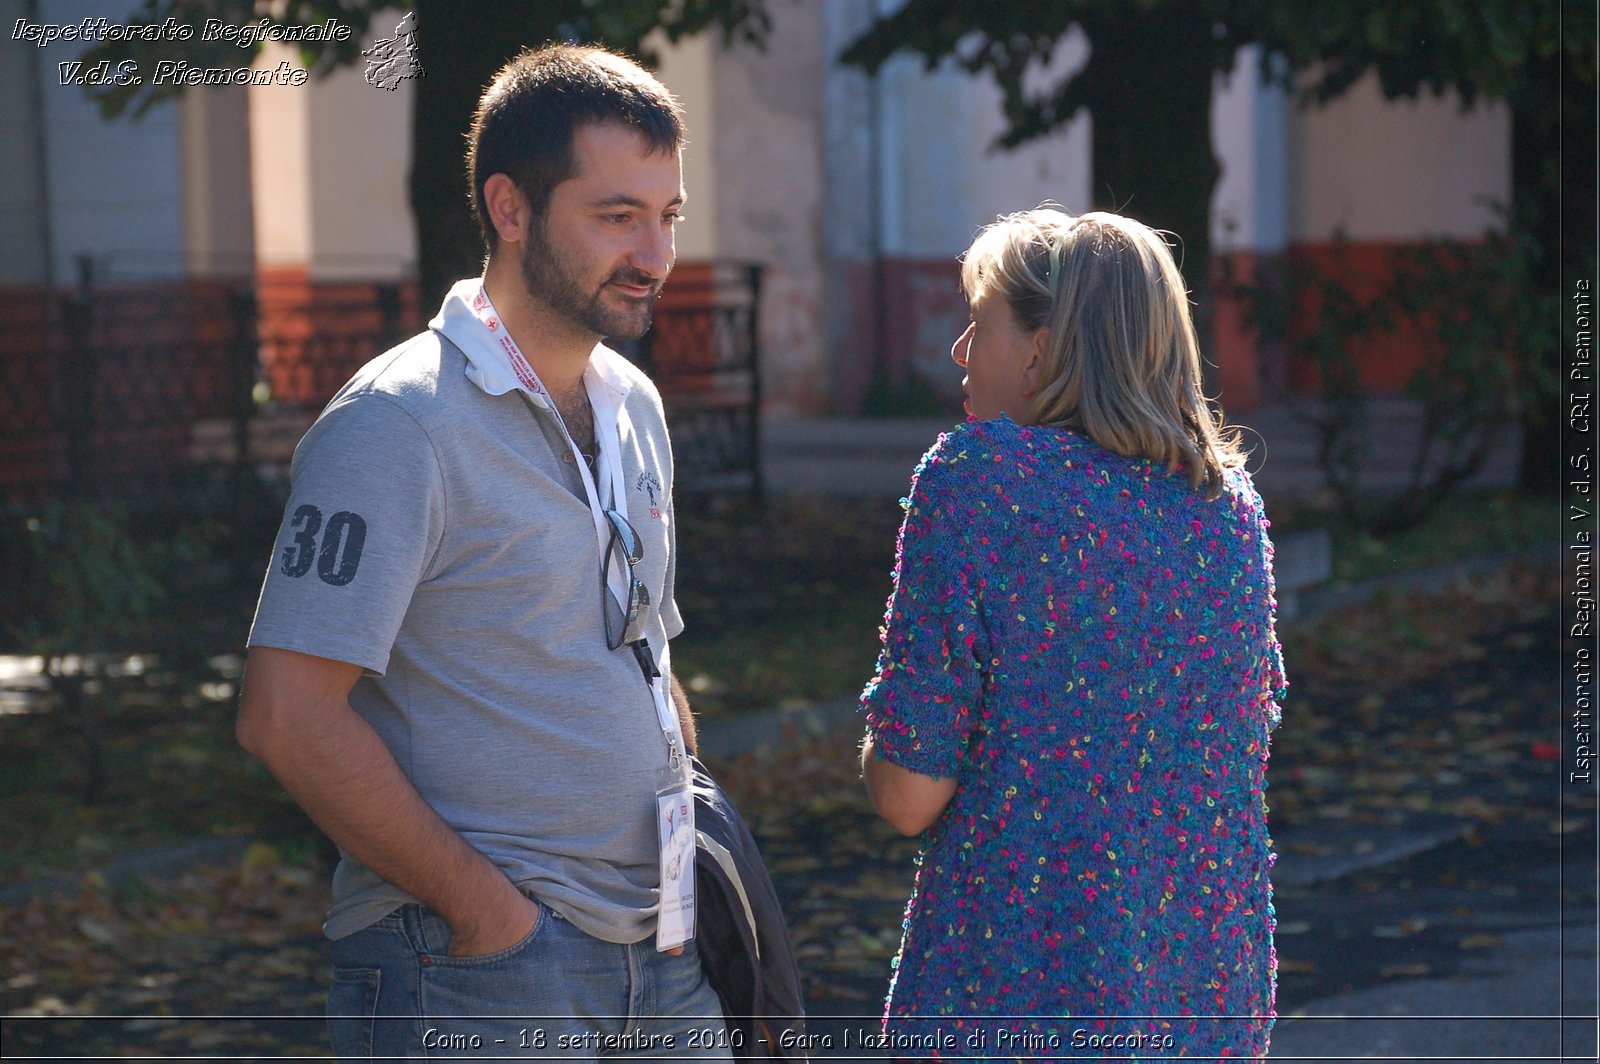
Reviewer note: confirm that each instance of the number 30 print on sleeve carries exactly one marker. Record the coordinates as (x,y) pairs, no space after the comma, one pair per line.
(340,554)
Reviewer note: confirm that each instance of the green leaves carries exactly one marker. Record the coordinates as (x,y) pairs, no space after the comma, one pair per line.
(98,581)
(1480,49)
(622,24)
(1482,332)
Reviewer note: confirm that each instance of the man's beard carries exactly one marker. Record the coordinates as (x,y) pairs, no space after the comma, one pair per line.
(547,279)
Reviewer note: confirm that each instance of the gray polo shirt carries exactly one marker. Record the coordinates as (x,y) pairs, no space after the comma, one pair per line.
(434,537)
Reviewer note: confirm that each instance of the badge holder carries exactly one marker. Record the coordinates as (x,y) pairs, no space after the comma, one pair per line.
(675,824)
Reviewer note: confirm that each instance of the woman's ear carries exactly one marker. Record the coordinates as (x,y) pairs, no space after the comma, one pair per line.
(1033,369)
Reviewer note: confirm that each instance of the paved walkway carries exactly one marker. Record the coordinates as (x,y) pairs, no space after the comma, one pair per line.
(1506,1007)
(865,457)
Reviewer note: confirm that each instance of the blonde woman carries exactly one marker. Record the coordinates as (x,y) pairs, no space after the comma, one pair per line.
(1078,676)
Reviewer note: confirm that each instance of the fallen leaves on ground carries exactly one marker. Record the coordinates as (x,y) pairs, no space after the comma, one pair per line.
(806,804)
(1416,704)
(241,941)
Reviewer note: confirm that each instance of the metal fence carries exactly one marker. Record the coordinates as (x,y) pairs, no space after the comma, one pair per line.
(109,392)
(101,391)
(704,353)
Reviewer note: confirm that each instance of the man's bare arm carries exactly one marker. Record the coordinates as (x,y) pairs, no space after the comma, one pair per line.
(295,714)
(685,716)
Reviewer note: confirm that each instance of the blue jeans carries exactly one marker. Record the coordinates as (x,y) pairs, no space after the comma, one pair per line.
(396,994)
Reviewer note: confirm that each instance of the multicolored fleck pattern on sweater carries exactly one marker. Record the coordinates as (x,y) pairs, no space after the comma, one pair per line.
(1088,645)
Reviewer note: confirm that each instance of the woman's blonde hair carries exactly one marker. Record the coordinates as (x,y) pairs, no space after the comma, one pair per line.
(1122,363)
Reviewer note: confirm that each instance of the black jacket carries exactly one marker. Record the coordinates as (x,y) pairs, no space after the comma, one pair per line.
(740,930)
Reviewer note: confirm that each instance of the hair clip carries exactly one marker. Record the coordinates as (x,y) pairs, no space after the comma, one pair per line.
(1055,266)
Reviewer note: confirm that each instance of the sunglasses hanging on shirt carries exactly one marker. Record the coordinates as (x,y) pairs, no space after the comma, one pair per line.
(625,621)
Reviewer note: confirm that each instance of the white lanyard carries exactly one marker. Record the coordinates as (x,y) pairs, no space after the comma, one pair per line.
(605,417)
(609,418)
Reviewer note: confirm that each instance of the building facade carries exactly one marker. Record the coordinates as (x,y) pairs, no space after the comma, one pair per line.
(856,194)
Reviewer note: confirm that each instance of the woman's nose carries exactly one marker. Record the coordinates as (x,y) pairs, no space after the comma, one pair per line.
(958,350)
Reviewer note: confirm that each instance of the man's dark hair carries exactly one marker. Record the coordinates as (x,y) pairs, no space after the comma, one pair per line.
(526,119)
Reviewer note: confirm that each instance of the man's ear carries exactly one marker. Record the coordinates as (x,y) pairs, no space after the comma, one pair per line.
(507,208)
(1033,370)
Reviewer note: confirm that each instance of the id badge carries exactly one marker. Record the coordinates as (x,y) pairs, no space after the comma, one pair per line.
(675,823)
